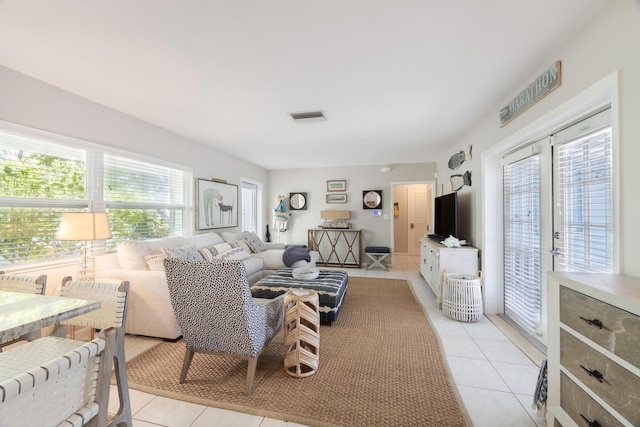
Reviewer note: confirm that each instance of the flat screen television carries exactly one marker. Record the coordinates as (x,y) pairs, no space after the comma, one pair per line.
(445,216)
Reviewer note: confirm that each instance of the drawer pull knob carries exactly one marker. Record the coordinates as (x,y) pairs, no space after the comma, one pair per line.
(593,322)
(593,423)
(593,374)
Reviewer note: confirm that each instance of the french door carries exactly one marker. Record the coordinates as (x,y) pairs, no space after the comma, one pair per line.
(558,215)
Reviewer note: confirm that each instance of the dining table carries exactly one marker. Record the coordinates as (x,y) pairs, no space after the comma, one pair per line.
(22,313)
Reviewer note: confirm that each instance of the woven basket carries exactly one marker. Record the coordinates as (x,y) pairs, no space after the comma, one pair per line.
(462,296)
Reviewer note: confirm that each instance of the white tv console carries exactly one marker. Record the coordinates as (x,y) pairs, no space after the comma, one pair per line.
(436,257)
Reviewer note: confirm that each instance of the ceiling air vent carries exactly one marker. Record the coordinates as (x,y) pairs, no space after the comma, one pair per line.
(308,116)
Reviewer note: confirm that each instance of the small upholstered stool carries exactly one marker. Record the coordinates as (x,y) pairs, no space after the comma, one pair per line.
(377,255)
(301,332)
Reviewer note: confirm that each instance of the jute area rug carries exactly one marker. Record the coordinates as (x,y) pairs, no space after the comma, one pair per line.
(380,365)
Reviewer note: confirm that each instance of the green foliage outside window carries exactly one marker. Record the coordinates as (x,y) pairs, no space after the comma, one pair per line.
(35,189)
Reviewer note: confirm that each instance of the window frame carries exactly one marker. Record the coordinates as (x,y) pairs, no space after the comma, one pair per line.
(94,198)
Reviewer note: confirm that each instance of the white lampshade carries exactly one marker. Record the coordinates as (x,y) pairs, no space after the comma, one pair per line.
(84,226)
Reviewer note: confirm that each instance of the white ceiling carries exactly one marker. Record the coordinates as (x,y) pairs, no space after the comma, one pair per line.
(395,79)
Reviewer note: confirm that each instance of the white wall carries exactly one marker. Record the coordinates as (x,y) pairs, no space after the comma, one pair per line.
(609,44)
(32,103)
(375,230)
(36,104)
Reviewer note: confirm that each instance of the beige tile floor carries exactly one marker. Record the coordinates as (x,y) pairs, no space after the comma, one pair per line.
(494,370)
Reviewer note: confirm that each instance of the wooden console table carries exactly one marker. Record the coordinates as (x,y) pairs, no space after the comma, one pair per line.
(336,246)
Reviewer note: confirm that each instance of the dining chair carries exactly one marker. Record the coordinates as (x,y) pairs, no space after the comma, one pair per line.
(216,313)
(26,285)
(113,297)
(55,381)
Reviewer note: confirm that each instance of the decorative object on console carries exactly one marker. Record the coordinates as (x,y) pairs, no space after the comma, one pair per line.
(372,199)
(337,185)
(335,219)
(298,201)
(85,226)
(216,204)
(459,158)
(267,236)
(459,181)
(336,198)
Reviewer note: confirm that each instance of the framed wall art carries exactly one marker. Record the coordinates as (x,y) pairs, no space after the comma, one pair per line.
(216,204)
(336,198)
(337,185)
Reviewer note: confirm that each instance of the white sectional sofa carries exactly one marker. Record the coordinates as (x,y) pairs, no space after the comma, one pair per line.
(149,307)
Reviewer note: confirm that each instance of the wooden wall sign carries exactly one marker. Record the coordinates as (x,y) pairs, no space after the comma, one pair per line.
(541,87)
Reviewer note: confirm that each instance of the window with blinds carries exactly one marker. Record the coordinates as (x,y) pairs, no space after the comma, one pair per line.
(521,246)
(43,175)
(583,181)
(249,207)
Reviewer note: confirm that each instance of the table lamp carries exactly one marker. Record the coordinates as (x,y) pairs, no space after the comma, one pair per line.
(86,226)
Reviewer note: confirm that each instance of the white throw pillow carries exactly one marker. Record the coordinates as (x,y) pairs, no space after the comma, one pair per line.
(131,253)
(254,241)
(242,244)
(234,253)
(210,252)
(155,262)
(189,253)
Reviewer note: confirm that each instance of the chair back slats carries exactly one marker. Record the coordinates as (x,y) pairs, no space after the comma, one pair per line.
(49,381)
(112,297)
(112,313)
(24,284)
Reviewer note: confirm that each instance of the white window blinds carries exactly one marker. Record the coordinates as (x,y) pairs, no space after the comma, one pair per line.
(521,231)
(583,181)
(43,175)
(249,206)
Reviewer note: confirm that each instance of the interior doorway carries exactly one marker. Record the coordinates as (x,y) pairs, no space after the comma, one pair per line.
(412,215)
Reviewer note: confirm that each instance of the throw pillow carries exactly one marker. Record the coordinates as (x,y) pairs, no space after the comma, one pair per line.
(234,253)
(242,244)
(189,253)
(155,262)
(210,252)
(254,241)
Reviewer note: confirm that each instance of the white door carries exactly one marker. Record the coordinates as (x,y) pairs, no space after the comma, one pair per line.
(420,215)
(557,200)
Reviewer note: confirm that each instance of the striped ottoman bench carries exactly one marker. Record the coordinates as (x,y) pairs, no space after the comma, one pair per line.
(330,285)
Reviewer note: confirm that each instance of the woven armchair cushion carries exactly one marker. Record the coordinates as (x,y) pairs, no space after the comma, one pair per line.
(253,240)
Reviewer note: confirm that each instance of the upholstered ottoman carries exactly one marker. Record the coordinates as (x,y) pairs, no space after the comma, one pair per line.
(330,285)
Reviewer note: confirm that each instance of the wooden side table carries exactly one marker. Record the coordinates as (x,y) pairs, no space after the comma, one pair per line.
(301,332)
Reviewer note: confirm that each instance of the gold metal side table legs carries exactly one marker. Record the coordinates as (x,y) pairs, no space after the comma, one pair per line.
(301,332)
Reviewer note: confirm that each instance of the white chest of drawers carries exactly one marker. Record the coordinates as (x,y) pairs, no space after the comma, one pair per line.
(593,350)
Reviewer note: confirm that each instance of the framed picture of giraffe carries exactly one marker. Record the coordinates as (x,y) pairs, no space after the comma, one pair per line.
(216,204)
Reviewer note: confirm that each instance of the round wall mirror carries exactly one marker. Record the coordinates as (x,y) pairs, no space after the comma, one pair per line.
(298,201)
(372,199)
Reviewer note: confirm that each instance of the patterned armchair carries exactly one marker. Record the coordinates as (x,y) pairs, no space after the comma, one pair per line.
(216,313)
